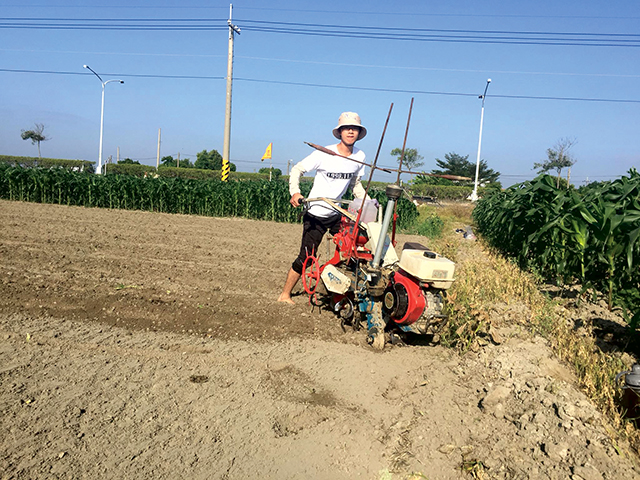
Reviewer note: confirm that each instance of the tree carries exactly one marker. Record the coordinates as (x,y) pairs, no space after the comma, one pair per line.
(169,161)
(558,157)
(36,136)
(454,164)
(211,161)
(275,172)
(128,161)
(412,159)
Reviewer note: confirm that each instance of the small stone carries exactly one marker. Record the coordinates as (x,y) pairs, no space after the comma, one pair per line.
(497,396)
(62,454)
(446,449)
(587,472)
(556,451)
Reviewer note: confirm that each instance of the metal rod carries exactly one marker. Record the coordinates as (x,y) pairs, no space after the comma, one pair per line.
(384,169)
(329,152)
(404,144)
(375,160)
(448,177)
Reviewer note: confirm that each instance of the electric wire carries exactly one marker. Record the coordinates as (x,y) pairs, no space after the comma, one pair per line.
(331,30)
(321,85)
(332,12)
(338,64)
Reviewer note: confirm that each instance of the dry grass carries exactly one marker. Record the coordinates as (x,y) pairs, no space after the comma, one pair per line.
(486,281)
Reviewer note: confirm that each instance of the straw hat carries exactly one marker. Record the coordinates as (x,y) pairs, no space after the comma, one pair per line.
(349,119)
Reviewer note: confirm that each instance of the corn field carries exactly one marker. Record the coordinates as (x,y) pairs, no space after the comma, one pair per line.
(257,199)
(589,236)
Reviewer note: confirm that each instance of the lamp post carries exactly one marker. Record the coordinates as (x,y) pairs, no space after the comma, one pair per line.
(474,194)
(99,170)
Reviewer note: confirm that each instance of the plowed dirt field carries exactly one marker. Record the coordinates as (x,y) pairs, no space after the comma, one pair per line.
(145,345)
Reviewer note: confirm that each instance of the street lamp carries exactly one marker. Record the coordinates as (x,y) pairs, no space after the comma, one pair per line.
(474,194)
(99,170)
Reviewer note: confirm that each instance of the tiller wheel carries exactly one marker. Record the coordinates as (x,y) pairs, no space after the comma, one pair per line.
(310,274)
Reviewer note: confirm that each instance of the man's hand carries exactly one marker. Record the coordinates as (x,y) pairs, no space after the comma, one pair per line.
(296,199)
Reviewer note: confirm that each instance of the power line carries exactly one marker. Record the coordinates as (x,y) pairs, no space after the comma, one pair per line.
(332,30)
(332,12)
(447,38)
(51,72)
(320,85)
(437,30)
(322,25)
(339,64)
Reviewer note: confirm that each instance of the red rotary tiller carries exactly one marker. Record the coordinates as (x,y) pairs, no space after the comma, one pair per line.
(366,281)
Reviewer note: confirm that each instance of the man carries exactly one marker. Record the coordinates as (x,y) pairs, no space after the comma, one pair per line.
(334,176)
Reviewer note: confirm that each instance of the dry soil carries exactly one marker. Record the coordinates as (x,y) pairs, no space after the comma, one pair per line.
(145,345)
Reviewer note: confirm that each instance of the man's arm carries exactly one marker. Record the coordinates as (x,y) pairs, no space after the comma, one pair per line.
(357,188)
(294,183)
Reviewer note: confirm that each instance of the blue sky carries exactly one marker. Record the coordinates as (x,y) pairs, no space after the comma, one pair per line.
(291,88)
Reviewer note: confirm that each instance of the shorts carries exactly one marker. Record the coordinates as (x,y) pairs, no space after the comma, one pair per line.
(313,229)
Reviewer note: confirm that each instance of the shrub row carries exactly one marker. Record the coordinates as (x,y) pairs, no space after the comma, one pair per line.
(259,199)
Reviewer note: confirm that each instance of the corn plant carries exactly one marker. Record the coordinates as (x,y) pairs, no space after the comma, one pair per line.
(258,199)
(590,235)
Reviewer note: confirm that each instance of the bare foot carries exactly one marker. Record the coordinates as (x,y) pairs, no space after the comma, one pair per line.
(285,299)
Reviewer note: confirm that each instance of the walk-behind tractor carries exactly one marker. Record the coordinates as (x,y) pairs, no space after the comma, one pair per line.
(365,281)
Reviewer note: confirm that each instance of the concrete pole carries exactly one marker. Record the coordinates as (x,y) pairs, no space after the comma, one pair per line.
(227,119)
(474,194)
(158,155)
(99,172)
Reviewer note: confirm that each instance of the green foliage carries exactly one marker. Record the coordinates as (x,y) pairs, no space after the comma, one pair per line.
(33,162)
(430,227)
(275,172)
(169,161)
(193,173)
(590,236)
(128,161)
(36,135)
(406,210)
(132,168)
(427,180)
(211,161)
(442,192)
(258,199)
(558,158)
(454,164)
(412,159)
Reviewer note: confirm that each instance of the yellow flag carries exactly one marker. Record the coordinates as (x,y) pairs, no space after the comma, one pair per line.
(267,152)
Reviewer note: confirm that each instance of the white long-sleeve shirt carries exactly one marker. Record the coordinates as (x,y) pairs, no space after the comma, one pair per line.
(334,176)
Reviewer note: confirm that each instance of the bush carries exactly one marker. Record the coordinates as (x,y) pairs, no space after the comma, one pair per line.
(430,227)
(34,162)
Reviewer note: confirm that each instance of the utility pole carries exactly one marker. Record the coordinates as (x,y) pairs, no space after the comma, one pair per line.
(288,166)
(226,168)
(118,157)
(178,160)
(474,194)
(158,156)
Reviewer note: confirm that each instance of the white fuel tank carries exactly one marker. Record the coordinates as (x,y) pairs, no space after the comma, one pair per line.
(428,267)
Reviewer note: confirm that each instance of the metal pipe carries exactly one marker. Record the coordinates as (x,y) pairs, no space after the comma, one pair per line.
(404,144)
(393,193)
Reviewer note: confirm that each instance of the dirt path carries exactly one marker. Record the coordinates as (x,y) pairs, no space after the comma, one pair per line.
(141,345)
